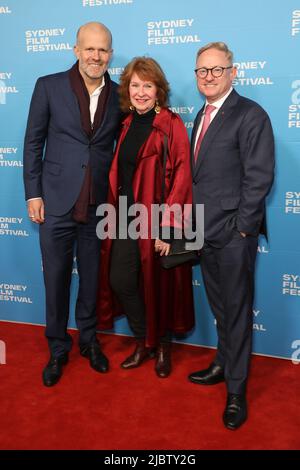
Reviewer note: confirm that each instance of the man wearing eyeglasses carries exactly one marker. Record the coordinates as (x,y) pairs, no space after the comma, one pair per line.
(74,115)
(232,153)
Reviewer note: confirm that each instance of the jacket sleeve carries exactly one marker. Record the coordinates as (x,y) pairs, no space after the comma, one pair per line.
(178,176)
(257,160)
(35,137)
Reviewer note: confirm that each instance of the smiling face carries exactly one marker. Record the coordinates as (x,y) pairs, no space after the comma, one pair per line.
(142,94)
(214,88)
(93,51)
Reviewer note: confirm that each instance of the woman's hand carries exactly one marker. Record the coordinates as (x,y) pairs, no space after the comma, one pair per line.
(161,247)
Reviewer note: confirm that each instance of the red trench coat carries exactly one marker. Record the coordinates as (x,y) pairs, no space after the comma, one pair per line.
(167,294)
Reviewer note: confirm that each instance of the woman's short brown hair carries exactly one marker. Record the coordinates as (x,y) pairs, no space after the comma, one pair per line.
(147,69)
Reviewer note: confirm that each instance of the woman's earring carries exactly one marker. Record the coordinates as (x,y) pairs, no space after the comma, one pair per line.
(131,107)
(157,108)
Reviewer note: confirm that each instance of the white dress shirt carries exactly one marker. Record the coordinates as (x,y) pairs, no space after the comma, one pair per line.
(94,97)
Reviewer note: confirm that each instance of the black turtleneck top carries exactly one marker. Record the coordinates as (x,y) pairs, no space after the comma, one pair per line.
(137,134)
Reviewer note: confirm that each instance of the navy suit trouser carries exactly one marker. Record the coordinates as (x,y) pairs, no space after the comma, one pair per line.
(60,239)
(228,275)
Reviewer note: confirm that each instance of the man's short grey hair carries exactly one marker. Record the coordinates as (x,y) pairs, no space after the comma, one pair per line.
(220,46)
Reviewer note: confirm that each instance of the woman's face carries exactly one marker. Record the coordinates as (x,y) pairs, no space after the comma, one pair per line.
(142,94)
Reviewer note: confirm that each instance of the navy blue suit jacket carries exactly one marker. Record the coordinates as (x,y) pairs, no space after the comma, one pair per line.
(57,150)
(234,170)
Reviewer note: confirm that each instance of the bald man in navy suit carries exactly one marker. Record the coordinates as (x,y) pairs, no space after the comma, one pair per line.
(73,120)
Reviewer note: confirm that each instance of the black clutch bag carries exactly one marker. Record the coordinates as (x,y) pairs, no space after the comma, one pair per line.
(178,253)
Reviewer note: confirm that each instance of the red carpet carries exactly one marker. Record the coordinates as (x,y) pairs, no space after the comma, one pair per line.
(134,409)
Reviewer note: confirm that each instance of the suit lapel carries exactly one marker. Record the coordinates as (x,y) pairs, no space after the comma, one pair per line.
(72,103)
(106,110)
(194,133)
(216,125)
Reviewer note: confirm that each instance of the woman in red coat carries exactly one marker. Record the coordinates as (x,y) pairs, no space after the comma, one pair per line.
(156,301)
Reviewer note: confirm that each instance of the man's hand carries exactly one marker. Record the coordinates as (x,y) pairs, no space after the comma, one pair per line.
(162,247)
(35,209)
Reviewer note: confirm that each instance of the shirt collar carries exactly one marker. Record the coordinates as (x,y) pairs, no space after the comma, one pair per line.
(219,102)
(97,91)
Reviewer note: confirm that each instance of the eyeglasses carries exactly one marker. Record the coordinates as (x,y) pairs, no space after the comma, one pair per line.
(216,71)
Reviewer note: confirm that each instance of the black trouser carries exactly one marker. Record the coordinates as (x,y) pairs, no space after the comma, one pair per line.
(124,279)
(228,275)
(58,238)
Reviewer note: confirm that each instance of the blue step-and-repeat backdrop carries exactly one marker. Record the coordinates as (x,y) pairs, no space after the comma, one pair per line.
(37,37)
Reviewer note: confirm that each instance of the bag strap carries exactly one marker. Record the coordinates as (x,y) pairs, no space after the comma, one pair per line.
(163,186)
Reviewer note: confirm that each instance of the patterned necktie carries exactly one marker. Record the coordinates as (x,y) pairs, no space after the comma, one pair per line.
(206,122)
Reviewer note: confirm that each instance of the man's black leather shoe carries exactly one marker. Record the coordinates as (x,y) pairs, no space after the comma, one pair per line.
(98,361)
(211,376)
(235,413)
(53,370)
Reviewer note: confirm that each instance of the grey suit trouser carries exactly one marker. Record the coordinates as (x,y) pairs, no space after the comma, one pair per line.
(228,275)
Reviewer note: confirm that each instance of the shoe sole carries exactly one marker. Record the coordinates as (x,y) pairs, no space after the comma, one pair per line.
(206,383)
(147,358)
(97,370)
(234,428)
(50,384)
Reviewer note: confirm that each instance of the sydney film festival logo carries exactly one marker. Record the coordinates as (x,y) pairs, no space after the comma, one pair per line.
(294,107)
(296,353)
(46,40)
(5,10)
(292,202)
(13,227)
(115,72)
(16,293)
(263,247)
(171,31)
(291,284)
(257,324)
(102,3)
(6,86)
(186,113)
(252,73)
(295,26)
(9,157)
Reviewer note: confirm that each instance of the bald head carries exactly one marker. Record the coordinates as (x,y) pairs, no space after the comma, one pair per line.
(93,51)
(90,28)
